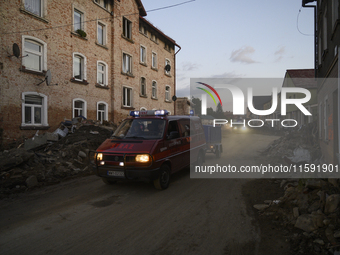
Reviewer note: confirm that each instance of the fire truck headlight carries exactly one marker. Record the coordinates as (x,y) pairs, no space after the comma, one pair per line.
(99,156)
(142,158)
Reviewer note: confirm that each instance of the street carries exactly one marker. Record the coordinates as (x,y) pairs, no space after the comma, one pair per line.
(193,216)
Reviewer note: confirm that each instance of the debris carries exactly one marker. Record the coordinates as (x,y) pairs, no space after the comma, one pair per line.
(51,157)
(31,181)
(332,203)
(261,207)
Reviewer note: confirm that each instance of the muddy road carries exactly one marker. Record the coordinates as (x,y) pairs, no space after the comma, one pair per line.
(193,216)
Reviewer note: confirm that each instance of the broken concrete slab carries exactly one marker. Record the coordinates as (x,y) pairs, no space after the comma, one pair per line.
(35,142)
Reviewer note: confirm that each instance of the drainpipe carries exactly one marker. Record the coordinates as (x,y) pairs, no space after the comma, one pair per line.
(304,2)
(175,74)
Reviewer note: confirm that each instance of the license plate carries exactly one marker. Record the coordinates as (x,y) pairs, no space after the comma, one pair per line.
(115,173)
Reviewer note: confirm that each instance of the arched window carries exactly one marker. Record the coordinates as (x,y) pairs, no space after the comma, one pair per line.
(79,66)
(167,93)
(34,109)
(102,113)
(142,86)
(35,52)
(102,78)
(79,108)
(154,89)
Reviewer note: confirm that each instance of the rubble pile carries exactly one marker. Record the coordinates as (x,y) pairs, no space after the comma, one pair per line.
(52,157)
(309,208)
(296,146)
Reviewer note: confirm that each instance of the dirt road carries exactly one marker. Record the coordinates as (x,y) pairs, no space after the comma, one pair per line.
(193,216)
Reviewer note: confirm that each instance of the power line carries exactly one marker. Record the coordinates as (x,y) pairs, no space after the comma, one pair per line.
(66,25)
(297,24)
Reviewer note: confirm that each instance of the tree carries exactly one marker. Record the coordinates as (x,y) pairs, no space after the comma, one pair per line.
(219,112)
(197,105)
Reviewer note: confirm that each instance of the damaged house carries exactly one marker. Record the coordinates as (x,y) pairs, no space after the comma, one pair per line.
(93,58)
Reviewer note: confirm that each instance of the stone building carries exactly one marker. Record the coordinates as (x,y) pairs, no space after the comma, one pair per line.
(327,48)
(104,57)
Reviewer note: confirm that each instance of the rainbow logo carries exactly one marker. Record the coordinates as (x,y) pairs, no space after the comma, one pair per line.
(209,93)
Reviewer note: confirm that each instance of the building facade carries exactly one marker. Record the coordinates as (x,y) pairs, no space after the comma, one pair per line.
(104,58)
(327,48)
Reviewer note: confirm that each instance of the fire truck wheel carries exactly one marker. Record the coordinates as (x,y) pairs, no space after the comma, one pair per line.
(108,182)
(164,178)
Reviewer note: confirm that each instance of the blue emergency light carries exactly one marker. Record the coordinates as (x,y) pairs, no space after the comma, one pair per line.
(149,113)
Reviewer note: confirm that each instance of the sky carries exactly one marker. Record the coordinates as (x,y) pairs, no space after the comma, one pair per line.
(235,39)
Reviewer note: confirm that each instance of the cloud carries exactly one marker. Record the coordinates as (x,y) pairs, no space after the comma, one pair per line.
(227,75)
(243,55)
(279,53)
(188,66)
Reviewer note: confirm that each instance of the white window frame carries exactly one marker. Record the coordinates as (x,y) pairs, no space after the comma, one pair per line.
(43,54)
(154,89)
(83,66)
(100,23)
(167,61)
(105,72)
(44,109)
(84,107)
(141,84)
(167,92)
(127,28)
(142,53)
(105,111)
(154,60)
(127,65)
(125,97)
(42,8)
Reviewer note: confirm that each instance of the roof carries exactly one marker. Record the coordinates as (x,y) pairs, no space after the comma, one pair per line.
(141,9)
(303,78)
(259,101)
(159,31)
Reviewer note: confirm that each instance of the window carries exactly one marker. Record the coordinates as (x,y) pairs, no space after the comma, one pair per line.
(143,30)
(34,6)
(154,89)
(102,113)
(103,3)
(127,64)
(324,28)
(142,86)
(143,54)
(127,26)
(102,78)
(78,20)
(167,93)
(153,37)
(154,60)
(34,109)
(79,108)
(101,33)
(79,67)
(127,97)
(167,67)
(35,50)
